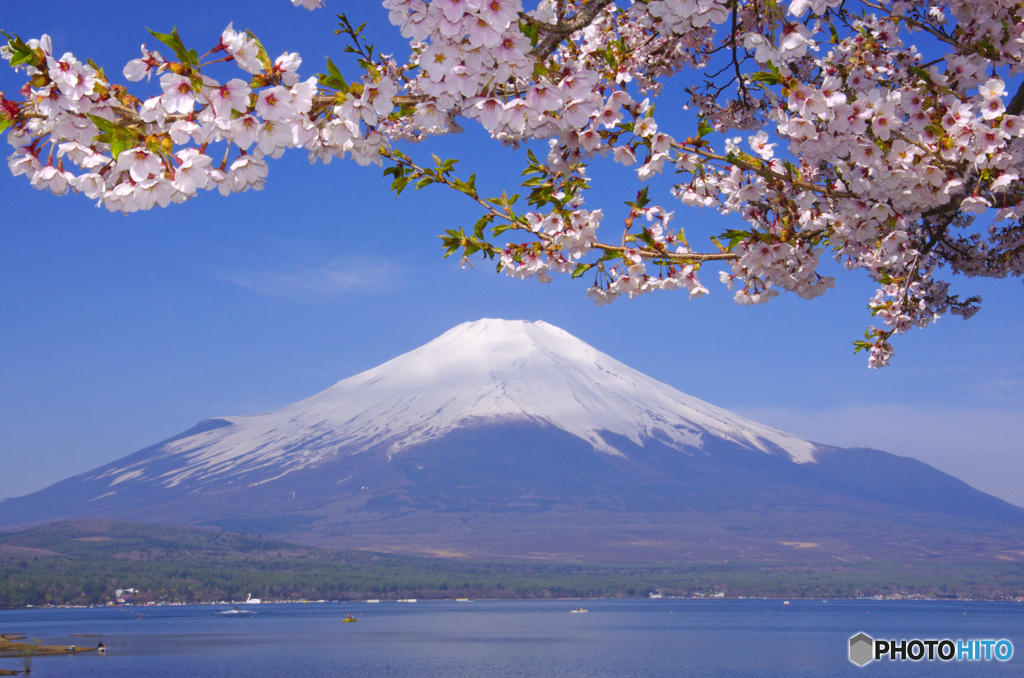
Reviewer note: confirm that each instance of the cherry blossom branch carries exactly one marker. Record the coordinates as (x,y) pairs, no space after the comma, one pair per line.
(407,171)
(556,33)
(762,170)
(674,257)
(935,33)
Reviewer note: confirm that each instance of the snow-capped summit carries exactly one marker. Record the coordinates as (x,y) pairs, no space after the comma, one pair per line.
(484,371)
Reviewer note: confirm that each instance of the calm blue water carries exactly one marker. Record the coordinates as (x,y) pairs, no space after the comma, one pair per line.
(642,638)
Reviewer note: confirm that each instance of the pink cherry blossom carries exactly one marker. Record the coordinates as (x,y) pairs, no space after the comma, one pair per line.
(178,95)
(139,163)
(233,96)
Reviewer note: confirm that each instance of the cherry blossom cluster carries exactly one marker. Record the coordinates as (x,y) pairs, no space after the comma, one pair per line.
(566,236)
(821,126)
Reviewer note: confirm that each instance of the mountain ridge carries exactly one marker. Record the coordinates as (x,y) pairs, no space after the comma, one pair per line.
(537,439)
(535,370)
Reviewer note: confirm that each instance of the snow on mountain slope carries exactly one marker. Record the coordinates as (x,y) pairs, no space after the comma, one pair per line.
(488,370)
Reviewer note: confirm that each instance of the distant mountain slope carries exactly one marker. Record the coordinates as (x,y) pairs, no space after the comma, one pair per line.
(516,439)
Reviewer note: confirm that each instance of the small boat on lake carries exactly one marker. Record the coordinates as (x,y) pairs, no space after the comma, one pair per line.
(235,612)
(580,610)
(350,618)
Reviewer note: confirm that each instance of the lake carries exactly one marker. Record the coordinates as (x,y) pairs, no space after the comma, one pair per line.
(447,639)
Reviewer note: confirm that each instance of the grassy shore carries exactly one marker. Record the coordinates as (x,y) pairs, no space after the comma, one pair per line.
(11,647)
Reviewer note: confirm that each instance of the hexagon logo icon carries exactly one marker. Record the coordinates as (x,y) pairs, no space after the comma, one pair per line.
(862,649)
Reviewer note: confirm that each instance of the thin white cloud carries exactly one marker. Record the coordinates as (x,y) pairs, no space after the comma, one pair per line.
(982,447)
(318,282)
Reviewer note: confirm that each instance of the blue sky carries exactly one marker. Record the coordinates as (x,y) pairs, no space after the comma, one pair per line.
(118,332)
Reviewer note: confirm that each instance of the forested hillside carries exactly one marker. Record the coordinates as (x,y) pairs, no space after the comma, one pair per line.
(85,563)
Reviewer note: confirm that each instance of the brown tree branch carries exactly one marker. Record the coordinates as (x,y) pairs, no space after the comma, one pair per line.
(1016,105)
(674,257)
(555,33)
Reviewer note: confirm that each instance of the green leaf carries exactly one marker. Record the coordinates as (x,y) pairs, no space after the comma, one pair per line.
(174,42)
(481,224)
(770,77)
(102,124)
(336,75)
(374,71)
(735,236)
(16,43)
(399,184)
(20,52)
(96,67)
(117,146)
(581,269)
(767,78)
(530,30)
(20,58)
(4,123)
(641,198)
(609,56)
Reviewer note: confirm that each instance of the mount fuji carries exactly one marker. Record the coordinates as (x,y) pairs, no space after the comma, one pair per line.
(515,439)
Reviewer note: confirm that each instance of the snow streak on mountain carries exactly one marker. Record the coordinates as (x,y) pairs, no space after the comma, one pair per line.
(488,371)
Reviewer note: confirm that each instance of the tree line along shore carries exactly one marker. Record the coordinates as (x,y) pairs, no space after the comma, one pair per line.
(96,563)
